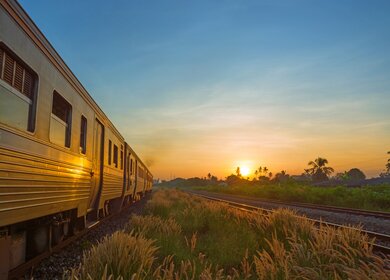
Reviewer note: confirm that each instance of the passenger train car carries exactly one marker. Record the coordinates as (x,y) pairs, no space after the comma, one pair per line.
(63,164)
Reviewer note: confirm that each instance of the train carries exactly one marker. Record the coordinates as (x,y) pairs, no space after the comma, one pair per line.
(63,164)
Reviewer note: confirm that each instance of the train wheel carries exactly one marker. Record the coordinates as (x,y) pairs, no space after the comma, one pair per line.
(76,225)
(57,234)
(38,240)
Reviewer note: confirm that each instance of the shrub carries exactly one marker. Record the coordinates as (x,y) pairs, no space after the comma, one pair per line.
(120,255)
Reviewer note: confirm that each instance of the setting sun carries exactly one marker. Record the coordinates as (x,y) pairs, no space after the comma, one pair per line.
(244,170)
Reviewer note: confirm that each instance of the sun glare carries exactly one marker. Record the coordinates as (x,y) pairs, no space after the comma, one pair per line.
(244,170)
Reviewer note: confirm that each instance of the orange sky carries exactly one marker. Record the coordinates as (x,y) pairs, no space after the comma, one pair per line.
(204,86)
(219,140)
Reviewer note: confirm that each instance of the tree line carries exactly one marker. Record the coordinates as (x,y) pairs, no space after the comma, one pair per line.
(317,171)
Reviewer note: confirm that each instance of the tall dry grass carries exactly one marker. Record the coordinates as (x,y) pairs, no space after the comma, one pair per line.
(182,237)
(120,255)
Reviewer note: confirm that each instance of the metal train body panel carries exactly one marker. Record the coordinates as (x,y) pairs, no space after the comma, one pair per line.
(112,173)
(40,176)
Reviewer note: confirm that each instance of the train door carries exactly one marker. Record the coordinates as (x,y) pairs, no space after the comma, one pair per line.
(98,152)
(129,166)
(143,173)
(136,178)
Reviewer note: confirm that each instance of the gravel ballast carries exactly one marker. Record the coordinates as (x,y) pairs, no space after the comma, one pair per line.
(70,257)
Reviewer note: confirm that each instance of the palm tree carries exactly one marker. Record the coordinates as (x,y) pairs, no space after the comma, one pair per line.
(281,176)
(209,176)
(386,172)
(318,170)
(265,169)
(238,171)
(258,172)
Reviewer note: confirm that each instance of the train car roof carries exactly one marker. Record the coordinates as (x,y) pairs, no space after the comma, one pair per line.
(17,12)
(138,158)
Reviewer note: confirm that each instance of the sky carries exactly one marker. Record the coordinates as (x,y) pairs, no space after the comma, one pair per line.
(206,86)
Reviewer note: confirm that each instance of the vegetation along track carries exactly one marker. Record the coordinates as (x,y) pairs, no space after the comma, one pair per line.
(381,244)
(370,222)
(28,269)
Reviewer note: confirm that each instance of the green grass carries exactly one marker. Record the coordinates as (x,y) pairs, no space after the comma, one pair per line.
(369,197)
(208,226)
(185,237)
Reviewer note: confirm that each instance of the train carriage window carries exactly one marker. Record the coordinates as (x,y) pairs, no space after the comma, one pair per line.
(109,151)
(60,125)
(115,155)
(83,135)
(121,157)
(8,69)
(17,92)
(1,62)
(131,166)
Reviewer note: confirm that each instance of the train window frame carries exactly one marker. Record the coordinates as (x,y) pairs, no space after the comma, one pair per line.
(109,151)
(19,94)
(67,123)
(83,134)
(115,156)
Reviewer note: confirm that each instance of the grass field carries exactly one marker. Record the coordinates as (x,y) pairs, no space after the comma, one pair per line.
(370,198)
(183,237)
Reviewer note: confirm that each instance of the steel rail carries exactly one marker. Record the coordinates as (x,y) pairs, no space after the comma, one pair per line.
(249,208)
(337,209)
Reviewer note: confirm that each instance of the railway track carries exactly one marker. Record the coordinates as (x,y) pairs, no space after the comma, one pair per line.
(344,210)
(378,237)
(336,209)
(28,267)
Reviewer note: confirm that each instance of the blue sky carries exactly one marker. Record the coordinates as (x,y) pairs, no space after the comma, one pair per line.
(208,85)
